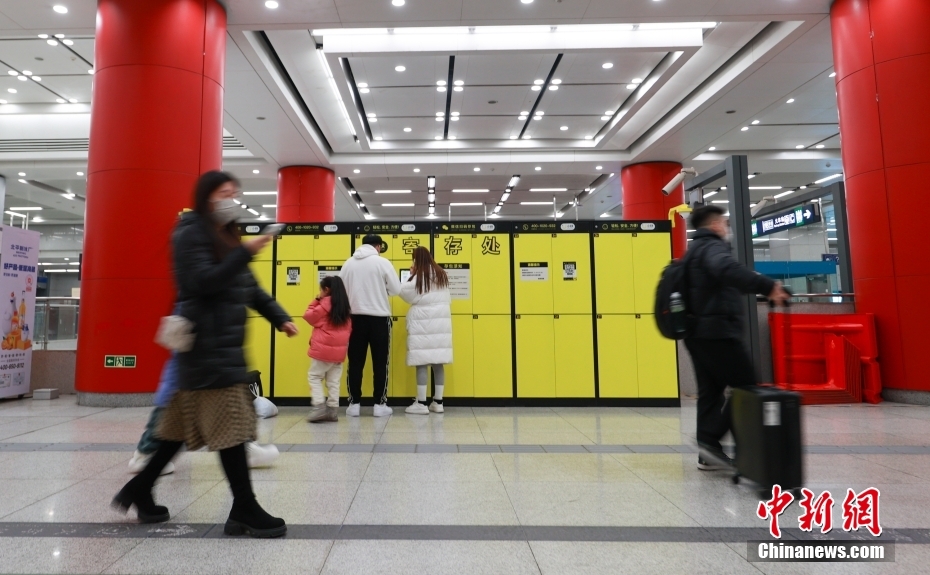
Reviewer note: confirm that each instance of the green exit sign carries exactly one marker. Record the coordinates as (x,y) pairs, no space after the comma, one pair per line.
(119,361)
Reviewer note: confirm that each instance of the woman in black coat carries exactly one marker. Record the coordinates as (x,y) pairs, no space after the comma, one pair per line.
(213,406)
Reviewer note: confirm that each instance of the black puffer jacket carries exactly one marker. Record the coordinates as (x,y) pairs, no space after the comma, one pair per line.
(716,282)
(214,295)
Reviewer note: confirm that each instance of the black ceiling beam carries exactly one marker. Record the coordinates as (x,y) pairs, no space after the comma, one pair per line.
(40,84)
(542,91)
(359,106)
(449,88)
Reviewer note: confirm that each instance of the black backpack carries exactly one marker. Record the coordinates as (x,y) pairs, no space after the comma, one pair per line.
(675,279)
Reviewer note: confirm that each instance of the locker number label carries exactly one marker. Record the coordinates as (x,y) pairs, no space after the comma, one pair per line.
(293,276)
(534,271)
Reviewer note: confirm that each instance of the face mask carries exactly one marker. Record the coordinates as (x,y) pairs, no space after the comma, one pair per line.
(226,211)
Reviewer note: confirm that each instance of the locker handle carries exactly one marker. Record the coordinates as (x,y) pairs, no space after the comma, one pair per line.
(474,317)
(638,316)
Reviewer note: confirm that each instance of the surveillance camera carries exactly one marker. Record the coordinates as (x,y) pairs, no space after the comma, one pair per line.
(677,180)
(766,201)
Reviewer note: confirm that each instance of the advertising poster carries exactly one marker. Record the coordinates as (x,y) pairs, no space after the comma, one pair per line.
(19,259)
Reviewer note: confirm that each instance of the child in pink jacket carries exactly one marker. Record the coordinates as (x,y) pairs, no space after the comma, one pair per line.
(331,318)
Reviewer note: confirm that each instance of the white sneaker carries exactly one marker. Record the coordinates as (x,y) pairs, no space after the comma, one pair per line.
(382,410)
(417,408)
(354,410)
(140,460)
(435,407)
(260,455)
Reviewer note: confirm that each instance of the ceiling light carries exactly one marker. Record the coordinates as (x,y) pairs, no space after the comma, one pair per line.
(709,194)
(369,217)
(783,194)
(51,42)
(765,187)
(60,100)
(372,115)
(790,101)
(609,113)
(711,149)
(356,171)
(11,90)
(458,89)
(754,122)
(37,79)
(441,83)
(513,137)
(364,91)
(21,181)
(451,137)
(803,187)
(537,117)
(440,114)
(416,170)
(59,36)
(72,100)
(526,137)
(21,78)
(269,205)
(431,197)
(527,1)
(819,146)
(438,137)
(477,169)
(605,118)
(399,68)
(378,138)
(536,88)
(505,196)
(744,129)
(607,65)
(253,212)
(598,167)
(459,83)
(22,174)
(749,177)
(631,86)
(27,73)
(637,80)
(393,191)
(60,9)
(455,114)
(548,189)
(43,36)
(398,2)
(589,137)
(28,209)
(799,147)
(466,204)
(67,42)
(828,178)
(496,209)
(441,89)
(553,88)
(363,85)
(538,168)
(521,117)
(68,196)
(37,219)
(430,182)
(535,203)
(408,129)
(833,75)
(80,173)
(397,205)
(539,82)
(439,118)
(556,81)
(373,120)
(455,118)
(514,180)
(563,128)
(271,4)
(475,191)
(720,201)
(91,71)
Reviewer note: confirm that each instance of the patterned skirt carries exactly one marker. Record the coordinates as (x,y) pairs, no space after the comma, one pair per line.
(215,418)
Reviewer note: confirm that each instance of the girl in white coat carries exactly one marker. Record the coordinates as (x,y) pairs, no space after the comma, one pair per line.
(429,327)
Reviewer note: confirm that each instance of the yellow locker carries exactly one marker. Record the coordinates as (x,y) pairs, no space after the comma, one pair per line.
(460,374)
(294,247)
(618,374)
(535,356)
(656,360)
(398,306)
(336,248)
(613,260)
(266,254)
(651,253)
(291,364)
(571,256)
(533,273)
(263,270)
(574,356)
(493,357)
(402,380)
(258,349)
(490,274)
(295,298)
(456,248)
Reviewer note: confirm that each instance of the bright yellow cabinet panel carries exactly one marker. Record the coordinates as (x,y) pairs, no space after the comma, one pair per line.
(490,274)
(618,372)
(336,248)
(258,349)
(295,248)
(493,356)
(613,260)
(403,380)
(460,374)
(456,249)
(656,360)
(651,253)
(571,257)
(533,273)
(291,364)
(296,297)
(263,271)
(574,356)
(535,356)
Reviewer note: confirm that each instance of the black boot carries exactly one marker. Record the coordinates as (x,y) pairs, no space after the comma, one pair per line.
(138,491)
(247,516)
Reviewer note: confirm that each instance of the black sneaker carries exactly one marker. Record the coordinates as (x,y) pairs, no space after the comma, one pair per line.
(707,466)
(712,458)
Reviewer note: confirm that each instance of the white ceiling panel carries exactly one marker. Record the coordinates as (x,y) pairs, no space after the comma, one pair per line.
(26,92)
(392,129)
(492,10)
(625,10)
(33,15)
(382,11)
(777,137)
(511,100)
(508,68)
(407,102)
(578,127)
(37,56)
(379,71)
(585,100)
(587,68)
(485,127)
(77,87)
(254,15)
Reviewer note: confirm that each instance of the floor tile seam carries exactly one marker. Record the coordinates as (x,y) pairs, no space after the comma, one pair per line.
(731,546)
(355,495)
(138,542)
(71,484)
(861,457)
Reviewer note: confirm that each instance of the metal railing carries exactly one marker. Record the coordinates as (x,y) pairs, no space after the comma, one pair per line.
(56,323)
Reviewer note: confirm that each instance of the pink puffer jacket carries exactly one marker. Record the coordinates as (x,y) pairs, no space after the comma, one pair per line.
(327,342)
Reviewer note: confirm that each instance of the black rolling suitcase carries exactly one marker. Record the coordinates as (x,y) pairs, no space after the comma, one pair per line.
(767,430)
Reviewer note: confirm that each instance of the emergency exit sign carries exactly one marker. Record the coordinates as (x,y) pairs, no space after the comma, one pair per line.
(118,361)
(802,215)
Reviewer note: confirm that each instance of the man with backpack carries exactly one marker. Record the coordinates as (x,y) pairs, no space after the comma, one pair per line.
(714,282)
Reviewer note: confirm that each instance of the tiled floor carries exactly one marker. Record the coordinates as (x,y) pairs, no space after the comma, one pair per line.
(476,490)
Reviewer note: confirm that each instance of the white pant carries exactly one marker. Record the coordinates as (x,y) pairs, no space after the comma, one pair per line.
(324,370)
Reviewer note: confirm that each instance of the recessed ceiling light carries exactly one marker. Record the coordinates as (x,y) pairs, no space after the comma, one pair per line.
(441,89)
(416,170)
(477,169)
(458,89)
(60,100)
(589,137)
(819,146)
(13,73)
(357,171)
(43,36)
(513,137)
(37,78)
(378,138)
(27,73)
(607,65)
(72,100)
(712,148)
(22,174)
(605,118)
(556,81)
(526,137)
(91,71)
(60,9)
(67,42)
(439,118)
(833,75)
(538,168)
(271,4)
(744,129)
(749,177)
(11,90)
(438,137)
(2,102)
(459,83)
(371,115)
(408,129)
(440,114)
(51,42)
(255,171)
(372,120)
(754,122)
(609,113)
(637,80)
(599,167)
(451,137)
(799,147)
(455,114)
(563,128)
(553,88)
(364,91)
(21,78)
(536,88)
(521,117)
(399,68)
(790,101)
(455,118)
(59,36)
(441,83)
(398,2)
(631,86)
(537,117)
(803,187)
(527,1)
(80,173)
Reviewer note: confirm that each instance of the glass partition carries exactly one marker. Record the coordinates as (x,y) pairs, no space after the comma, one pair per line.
(56,323)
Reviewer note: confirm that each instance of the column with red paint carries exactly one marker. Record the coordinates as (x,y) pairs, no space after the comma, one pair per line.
(156,125)
(306,194)
(643,198)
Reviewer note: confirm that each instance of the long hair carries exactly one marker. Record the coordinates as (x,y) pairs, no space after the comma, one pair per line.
(228,237)
(339,311)
(427,272)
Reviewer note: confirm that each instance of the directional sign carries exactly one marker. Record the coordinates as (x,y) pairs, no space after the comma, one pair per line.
(796,217)
(119,361)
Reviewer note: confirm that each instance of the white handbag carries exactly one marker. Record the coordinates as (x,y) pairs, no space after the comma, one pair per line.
(175,333)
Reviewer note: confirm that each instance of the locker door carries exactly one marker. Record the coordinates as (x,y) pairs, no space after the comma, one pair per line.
(295,298)
(613,261)
(571,295)
(291,364)
(490,274)
(402,380)
(533,296)
(398,306)
(265,255)
(656,360)
(493,358)
(295,248)
(401,246)
(335,248)
(574,356)
(460,374)
(263,270)
(651,253)
(258,349)
(535,356)
(456,249)
(616,356)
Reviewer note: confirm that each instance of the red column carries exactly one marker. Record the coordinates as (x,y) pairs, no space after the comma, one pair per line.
(306,194)
(643,198)
(156,124)
(881,50)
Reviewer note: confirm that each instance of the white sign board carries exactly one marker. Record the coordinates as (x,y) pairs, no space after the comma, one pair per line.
(534,271)
(19,259)
(324,271)
(459,280)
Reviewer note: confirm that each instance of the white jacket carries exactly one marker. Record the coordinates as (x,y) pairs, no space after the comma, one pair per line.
(429,324)
(370,280)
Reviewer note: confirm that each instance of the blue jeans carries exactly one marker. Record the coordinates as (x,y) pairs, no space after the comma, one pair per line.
(148,443)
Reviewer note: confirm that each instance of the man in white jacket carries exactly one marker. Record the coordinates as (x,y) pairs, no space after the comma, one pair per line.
(370,280)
